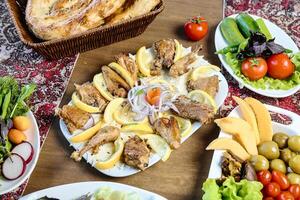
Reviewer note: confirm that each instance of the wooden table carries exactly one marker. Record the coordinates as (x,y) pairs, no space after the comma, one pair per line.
(181,177)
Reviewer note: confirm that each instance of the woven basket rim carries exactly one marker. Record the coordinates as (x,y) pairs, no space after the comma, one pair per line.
(87,33)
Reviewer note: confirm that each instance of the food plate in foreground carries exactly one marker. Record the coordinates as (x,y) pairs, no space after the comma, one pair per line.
(94,191)
(160,108)
(281,38)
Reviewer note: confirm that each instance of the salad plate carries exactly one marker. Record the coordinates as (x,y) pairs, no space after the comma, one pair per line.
(77,190)
(33,137)
(281,38)
(291,129)
(122,170)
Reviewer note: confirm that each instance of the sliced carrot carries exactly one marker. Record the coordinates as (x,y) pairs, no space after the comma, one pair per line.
(153,96)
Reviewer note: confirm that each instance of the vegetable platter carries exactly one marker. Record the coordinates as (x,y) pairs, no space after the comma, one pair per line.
(263,81)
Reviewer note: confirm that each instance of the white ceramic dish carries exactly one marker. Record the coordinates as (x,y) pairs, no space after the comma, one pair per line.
(291,129)
(281,38)
(33,137)
(122,170)
(76,190)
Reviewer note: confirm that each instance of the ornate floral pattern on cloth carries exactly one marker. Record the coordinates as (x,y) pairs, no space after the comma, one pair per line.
(28,66)
(284,13)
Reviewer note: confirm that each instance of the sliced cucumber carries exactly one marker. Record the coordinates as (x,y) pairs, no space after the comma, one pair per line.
(263,28)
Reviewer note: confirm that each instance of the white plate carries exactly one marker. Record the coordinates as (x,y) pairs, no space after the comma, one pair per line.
(122,170)
(75,190)
(292,129)
(280,38)
(33,136)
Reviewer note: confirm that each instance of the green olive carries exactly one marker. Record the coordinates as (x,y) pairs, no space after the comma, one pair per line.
(294,143)
(269,150)
(294,164)
(278,165)
(286,155)
(293,178)
(281,139)
(259,162)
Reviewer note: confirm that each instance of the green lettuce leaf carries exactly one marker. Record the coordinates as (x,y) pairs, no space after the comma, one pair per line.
(266,82)
(211,190)
(250,190)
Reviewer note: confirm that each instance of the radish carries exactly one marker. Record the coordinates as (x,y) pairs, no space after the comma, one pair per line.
(13,167)
(25,150)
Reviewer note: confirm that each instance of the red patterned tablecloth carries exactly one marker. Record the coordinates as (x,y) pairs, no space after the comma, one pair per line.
(52,76)
(26,65)
(284,13)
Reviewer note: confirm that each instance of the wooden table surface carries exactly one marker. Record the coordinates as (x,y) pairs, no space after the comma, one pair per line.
(179,178)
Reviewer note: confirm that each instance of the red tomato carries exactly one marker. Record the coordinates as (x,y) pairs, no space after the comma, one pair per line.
(268,198)
(254,68)
(285,195)
(272,189)
(196,28)
(280,66)
(294,189)
(281,179)
(264,177)
(153,96)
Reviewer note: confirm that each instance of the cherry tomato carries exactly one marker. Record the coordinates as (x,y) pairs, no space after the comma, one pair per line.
(254,68)
(294,189)
(272,189)
(264,177)
(153,96)
(268,198)
(285,195)
(280,66)
(196,28)
(281,179)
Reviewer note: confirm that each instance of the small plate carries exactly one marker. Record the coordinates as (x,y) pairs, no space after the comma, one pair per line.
(291,129)
(281,38)
(33,136)
(76,190)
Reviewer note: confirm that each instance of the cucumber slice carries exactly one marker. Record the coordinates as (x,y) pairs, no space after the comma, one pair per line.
(263,28)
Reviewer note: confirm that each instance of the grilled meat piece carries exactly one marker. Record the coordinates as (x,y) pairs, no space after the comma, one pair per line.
(208,84)
(181,66)
(91,96)
(104,135)
(136,153)
(116,85)
(128,63)
(169,130)
(194,110)
(165,52)
(231,166)
(74,117)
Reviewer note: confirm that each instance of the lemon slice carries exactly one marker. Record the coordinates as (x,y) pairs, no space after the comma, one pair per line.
(111,108)
(116,156)
(185,126)
(204,71)
(140,128)
(99,83)
(144,60)
(122,72)
(179,51)
(202,97)
(83,106)
(124,116)
(158,144)
(87,134)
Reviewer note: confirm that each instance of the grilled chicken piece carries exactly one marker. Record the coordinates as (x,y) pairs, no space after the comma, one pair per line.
(128,63)
(105,135)
(136,153)
(208,84)
(169,130)
(116,85)
(137,8)
(194,110)
(165,53)
(181,66)
(91,96)
(74,117)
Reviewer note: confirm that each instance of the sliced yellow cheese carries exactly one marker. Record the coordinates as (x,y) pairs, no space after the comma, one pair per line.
(263,119)
(230,145)
(86,134)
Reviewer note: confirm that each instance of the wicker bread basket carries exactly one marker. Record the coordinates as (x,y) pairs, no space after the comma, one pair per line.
(88,40)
